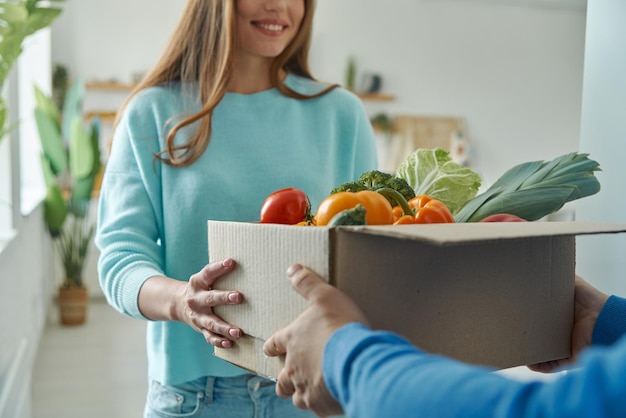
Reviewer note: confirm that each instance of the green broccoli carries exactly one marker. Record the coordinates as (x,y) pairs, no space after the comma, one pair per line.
(374,180)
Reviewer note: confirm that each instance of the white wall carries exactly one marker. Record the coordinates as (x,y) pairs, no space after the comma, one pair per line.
(112,39)
(602,259)
(26,289)
(513,72)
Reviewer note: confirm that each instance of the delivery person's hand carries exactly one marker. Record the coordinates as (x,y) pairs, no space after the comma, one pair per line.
(303,341)
(588,304)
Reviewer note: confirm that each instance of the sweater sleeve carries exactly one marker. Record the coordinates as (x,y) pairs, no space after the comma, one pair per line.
(611,323)
(378,374)
(127,233)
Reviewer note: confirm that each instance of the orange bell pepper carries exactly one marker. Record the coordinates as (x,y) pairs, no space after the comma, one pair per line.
(426,210)
(378,209)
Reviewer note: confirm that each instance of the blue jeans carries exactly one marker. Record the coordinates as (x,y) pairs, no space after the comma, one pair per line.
(246,396)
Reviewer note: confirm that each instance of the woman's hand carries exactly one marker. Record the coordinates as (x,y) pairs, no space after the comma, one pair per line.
(199,298)
(588,304)
(165,299)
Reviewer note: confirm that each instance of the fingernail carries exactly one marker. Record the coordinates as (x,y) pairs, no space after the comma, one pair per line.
(233,297)
(293,269)
(228,262)
(226,344)
(234,333)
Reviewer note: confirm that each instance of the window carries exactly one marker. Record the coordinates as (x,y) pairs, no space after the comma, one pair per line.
(6,167)
(21,183)
(34,68)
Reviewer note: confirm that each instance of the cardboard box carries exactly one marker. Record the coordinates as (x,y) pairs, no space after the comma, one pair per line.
(494,294)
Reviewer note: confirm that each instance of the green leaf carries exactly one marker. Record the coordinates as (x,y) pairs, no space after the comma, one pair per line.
(47,106)
(52,143)
(55,209)
(535,189)
(19,19)
(81,150)
(43,18)
(95,145)
(81,192)
(12,13)
(50,179)
(3,113)
(530,204)
(73,105)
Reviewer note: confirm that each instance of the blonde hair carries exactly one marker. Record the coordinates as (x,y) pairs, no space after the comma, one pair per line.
(201,51)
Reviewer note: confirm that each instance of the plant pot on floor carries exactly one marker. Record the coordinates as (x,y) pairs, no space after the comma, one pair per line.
(73,304)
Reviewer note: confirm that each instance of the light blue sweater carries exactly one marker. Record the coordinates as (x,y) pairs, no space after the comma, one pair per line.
(378,374)
(152,217)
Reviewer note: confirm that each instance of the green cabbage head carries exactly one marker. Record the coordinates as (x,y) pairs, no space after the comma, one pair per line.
(433,172)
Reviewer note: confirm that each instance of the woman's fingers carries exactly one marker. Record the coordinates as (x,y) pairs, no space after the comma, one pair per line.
(204,279)
(200,301)
(215,331)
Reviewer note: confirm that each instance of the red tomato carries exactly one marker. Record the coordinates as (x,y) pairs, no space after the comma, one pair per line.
(503,217)
(285,206)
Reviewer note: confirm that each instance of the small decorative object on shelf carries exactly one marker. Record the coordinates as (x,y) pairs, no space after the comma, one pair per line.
(371,83)
(459,148)
(382,122)
(351,74)
(60,84)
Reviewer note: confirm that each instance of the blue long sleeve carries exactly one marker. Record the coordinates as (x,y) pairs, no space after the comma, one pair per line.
(611,324)
(378,374)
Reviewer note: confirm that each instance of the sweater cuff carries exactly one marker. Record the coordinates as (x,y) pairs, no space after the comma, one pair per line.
(611,323)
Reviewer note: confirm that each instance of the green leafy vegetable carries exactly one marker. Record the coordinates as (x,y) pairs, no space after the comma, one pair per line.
(535,189)
(432,172)
(375,180)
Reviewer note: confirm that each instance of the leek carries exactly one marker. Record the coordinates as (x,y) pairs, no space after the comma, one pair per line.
(535,189)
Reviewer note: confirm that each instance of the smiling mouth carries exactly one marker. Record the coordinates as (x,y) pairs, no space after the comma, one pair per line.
(270,27)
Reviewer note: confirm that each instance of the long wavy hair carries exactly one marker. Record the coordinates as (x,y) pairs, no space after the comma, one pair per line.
(201,51)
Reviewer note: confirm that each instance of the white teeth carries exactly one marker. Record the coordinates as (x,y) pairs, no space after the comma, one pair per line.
(271,27)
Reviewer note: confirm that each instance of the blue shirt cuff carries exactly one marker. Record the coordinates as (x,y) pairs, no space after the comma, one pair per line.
(611,323)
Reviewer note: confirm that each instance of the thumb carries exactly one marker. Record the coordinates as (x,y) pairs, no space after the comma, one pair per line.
(275,345)
(306,282)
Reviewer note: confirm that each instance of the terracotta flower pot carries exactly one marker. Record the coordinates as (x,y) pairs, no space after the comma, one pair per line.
(73,302)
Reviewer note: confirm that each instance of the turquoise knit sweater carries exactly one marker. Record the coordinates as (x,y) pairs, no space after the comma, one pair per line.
(152,217)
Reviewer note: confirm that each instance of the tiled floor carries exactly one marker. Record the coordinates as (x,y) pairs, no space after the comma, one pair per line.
(96,370)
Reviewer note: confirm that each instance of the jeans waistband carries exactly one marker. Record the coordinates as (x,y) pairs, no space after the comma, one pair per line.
(253,385)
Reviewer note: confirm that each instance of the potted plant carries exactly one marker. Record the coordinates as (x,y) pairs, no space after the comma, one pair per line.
(70,163)
(17,21)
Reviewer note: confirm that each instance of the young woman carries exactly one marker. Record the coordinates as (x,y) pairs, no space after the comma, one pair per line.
(228,115)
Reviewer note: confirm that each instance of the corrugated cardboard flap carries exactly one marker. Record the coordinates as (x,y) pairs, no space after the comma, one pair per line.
(471,232)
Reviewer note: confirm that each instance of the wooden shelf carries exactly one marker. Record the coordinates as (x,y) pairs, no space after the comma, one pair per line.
(111,86)
(379,97)
(105,116)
